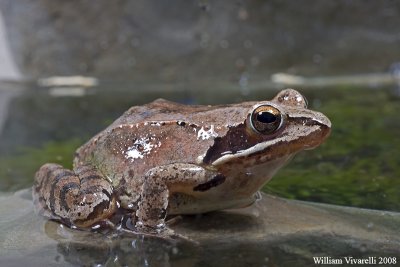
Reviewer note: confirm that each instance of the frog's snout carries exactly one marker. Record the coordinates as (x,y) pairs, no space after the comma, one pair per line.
(320,135)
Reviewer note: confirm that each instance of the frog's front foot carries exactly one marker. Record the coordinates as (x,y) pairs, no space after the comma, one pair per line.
(152,211)
(154,198)
(81,198)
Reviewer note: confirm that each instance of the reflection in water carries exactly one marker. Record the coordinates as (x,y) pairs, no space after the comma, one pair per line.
(120,249)
(94,249)
(233,239)
(272,232)
(98,249)
(126,251)
(90,249)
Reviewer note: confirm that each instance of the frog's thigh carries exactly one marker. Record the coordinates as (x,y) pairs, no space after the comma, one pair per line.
(155,191)
(81,197)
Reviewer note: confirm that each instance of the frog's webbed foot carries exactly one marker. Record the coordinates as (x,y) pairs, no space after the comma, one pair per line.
(79,198)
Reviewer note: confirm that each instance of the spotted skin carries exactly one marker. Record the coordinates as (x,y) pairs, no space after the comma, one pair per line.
(165,158)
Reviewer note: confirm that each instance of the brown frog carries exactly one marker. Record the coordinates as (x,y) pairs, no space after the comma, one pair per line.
(165,158)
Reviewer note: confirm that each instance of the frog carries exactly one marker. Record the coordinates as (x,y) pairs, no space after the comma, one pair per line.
(168,159)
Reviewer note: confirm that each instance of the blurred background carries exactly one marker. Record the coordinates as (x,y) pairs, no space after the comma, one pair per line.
(69,68)
(178,41)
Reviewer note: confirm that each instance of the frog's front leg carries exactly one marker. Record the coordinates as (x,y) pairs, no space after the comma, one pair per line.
(160,182)
(81,198)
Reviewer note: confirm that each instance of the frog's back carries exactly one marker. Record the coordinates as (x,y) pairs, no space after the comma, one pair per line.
(164,110)
(158,110)
(158,133)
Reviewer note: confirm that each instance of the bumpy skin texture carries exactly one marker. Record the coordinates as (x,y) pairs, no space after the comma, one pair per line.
(155,191)
(79,198)
(167,158)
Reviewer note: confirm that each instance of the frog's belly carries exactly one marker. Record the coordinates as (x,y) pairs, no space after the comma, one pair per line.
(185,204)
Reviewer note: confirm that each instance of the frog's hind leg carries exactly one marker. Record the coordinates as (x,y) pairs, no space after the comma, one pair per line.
(81,198)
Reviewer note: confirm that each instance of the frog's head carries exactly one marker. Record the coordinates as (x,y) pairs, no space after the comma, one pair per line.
(272,132)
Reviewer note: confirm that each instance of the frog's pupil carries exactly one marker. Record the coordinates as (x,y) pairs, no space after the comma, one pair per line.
(266,117)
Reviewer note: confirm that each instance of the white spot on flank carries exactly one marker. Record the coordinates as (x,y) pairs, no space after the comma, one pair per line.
(199,159)
(204,135)
(134,154)
(140,148)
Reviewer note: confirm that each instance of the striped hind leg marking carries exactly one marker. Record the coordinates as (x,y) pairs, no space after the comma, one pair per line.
(82,197)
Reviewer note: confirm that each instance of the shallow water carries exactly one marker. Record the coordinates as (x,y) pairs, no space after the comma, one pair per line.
(358,166)
(272,232)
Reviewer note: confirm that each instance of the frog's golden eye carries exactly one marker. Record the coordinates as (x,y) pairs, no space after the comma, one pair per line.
(266,119)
